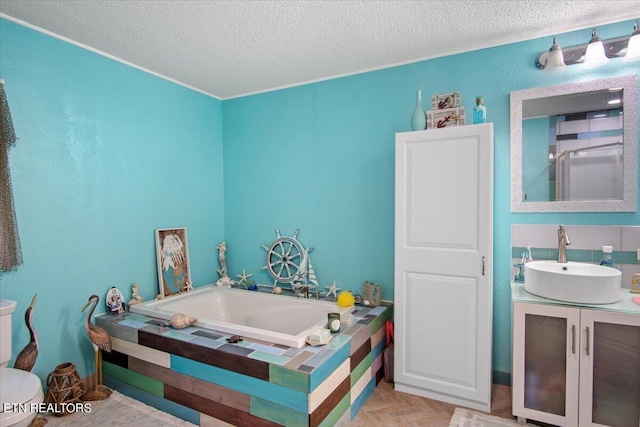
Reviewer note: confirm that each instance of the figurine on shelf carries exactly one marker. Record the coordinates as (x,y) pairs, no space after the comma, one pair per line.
(135,296)
(244,281)
(333,290)
(222,250)
(225,282)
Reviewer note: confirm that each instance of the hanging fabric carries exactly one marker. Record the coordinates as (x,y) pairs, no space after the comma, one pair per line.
(10,252)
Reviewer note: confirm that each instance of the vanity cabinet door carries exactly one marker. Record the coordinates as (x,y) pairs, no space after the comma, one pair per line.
(609,369)
(546,363)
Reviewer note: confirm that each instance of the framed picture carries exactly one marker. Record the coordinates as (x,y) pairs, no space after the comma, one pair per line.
(172,253)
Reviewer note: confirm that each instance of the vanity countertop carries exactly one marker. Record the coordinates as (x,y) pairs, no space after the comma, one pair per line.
(625,305)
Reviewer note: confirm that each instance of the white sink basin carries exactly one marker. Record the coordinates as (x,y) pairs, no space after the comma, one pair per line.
(573,282)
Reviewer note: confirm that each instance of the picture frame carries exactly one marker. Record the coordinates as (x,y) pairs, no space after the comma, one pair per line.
(445,118)
(442,101)
(172,257)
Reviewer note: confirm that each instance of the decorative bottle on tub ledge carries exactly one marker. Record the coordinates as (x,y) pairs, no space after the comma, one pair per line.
(418,119)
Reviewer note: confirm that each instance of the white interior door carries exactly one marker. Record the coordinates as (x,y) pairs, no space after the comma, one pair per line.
(443,264)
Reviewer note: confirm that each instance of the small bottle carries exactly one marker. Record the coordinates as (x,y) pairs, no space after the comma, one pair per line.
(479,112)
(607,259)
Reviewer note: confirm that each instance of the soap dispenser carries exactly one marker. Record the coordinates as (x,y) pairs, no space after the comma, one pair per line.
(607,258)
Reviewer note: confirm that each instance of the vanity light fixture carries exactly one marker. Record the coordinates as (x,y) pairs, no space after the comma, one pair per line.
(595,56)
(597,52)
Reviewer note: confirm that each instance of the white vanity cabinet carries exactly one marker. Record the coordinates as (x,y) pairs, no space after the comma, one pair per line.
(576,365)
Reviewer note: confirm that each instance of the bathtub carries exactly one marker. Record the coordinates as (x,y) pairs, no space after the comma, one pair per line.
(273,318)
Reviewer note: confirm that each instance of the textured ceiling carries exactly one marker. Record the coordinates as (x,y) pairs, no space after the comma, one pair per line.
(232,48)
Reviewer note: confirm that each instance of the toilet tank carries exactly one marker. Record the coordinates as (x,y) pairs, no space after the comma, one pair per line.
(6,309)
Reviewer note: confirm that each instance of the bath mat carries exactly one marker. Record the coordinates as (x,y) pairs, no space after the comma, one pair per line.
(467,418)
(117,411)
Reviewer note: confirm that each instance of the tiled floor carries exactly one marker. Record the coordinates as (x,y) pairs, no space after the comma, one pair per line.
(387,407)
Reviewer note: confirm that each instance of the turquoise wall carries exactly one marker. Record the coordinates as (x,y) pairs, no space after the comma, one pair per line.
(106,154)
(320,157)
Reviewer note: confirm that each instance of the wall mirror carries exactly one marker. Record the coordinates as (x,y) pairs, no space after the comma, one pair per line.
(574,147)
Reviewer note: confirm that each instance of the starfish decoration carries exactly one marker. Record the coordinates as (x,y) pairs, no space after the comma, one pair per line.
(188,286)
(333,289)
(244,278)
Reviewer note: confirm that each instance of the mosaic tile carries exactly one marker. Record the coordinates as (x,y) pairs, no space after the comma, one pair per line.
(366,319)
(338,412)
(152,322)
(267,349)
(233,362)
(359,401)
(292,351)
(234,349)
(379,321)
(115,330)
(206,334)
(159,403)
(325,408)
(154,329)
(338,341)
(320,357)
(289,378)
(323,371)
(277,413)
(378,310)
(286,347)
(360,369)
(305,368)
(206,342)
(252,386)
(299,359)
(137,317)
(178,335)
(378,349)
(312,349)
(270,358)
(131,323)
(329,393)
(140,381)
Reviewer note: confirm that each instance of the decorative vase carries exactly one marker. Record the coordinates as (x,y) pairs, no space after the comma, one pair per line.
(64,386)
(418,119)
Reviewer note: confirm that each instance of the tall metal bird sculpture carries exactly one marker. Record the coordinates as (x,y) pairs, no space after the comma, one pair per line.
(27,357)
(101,341)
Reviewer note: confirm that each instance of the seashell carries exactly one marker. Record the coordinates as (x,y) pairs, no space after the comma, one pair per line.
(277,290)
(181,321)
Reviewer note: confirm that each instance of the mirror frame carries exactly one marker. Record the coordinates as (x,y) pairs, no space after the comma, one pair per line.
(629,202)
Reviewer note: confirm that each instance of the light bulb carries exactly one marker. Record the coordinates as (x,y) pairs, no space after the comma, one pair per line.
(595,55)
(555,59)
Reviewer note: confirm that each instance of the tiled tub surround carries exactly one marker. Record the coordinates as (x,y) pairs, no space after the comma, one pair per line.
(195,374)
(586,245)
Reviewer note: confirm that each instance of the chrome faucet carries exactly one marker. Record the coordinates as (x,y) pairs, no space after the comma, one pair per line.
(563,242)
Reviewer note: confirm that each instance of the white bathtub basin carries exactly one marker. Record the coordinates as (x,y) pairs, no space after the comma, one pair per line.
(272,318)
(573,282)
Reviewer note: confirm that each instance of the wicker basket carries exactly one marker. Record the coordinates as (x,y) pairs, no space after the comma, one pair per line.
(64,386)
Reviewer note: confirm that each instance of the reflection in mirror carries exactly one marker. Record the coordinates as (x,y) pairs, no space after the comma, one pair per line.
(575,153)
(574,147)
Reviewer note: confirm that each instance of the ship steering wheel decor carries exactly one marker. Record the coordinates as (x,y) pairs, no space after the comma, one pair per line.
(288,262)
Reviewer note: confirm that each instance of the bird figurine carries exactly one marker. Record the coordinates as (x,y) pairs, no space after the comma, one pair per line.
(101,342)
(27,357)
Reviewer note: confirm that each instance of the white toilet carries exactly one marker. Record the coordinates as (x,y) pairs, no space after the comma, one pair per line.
(18,389)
